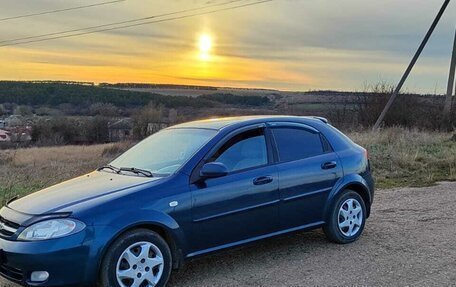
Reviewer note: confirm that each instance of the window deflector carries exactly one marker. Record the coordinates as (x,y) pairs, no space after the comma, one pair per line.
(292,125)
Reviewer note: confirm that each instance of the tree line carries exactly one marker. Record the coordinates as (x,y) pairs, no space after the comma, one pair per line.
(55,94)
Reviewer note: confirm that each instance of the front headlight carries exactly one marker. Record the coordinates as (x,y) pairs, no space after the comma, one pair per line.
(50,229)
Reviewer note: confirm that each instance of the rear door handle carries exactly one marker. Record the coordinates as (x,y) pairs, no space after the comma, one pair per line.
(329,165)
(262,180)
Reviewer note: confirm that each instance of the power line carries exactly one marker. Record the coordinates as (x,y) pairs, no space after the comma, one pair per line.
(140,24)
(61,10)
(119,23)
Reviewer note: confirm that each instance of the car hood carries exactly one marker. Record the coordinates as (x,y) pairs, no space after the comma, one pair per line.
(75,191)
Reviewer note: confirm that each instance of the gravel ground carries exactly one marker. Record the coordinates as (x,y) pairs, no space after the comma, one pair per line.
(409,240)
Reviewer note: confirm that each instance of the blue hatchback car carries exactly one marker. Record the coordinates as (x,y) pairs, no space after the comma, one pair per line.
(186,191)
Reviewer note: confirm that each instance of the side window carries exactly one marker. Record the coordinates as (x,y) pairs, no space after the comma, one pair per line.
(296,143)
(243,151)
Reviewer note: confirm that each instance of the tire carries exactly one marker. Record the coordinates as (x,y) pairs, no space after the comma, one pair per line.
(137,254)
(346,223)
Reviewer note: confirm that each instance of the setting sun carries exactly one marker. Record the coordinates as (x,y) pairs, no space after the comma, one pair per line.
(205,43)
(204,46)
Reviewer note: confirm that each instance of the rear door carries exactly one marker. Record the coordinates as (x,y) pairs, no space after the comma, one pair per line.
(242,204)
(308,170)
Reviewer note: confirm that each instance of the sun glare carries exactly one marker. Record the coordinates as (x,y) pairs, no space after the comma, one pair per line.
(204,46)
(205,43)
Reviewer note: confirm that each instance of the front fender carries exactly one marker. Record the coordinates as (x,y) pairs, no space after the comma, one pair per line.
(141,218)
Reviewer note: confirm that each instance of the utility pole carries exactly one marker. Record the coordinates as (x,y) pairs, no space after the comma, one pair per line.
(411,65)
(451,84)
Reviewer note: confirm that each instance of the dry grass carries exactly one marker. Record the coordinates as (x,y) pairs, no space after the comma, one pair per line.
(409,157)
(400,158)
(26,170)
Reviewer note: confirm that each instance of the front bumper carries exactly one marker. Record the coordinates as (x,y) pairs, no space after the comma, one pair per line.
(65,259)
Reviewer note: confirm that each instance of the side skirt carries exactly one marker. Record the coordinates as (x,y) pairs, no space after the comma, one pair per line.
(249,240)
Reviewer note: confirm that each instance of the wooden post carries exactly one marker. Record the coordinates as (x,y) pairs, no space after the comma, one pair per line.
(450,89)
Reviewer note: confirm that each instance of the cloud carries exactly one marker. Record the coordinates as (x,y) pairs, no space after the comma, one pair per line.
(305,44)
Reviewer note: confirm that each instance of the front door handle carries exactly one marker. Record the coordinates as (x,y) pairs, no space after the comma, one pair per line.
(262,180)
(329,165)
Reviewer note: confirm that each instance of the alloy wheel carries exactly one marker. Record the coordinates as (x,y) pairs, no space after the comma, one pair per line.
(140,265)
(350,217)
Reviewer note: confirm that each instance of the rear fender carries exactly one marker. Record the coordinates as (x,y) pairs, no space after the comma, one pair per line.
(342,184)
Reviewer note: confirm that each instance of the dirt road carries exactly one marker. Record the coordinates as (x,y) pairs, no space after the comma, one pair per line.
(410,239)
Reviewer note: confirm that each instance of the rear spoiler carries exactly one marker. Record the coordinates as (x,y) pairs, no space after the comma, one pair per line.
(325,120)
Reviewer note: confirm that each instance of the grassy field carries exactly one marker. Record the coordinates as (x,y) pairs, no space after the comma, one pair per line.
(26,170)
(409,157)
(399,157)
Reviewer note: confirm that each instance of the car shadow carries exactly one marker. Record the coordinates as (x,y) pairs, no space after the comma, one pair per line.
(249,257)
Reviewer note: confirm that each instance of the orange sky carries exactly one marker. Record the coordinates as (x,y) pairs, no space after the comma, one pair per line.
(283,44)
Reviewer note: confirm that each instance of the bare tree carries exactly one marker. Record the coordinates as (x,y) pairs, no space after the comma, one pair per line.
(141,120)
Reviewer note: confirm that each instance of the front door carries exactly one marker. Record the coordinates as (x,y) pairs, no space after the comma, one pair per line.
(241,205)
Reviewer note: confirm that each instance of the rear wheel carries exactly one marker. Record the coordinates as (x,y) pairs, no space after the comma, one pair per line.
(346,219)
(139,258)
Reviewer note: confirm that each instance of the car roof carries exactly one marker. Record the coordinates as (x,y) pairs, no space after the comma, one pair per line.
(220,123)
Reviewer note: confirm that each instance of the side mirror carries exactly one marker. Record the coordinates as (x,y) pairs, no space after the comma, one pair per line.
(213,170)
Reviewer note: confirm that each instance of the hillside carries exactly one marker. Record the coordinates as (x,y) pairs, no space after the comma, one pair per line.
(192,102)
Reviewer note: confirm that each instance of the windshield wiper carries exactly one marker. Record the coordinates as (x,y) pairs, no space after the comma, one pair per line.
(137,171)
(127,169)
(113,168)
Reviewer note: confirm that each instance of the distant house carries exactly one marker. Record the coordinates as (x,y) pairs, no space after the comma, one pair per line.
(155,127)
(14,121)
(4,136)
(120,130)
(165,122)
(20,134)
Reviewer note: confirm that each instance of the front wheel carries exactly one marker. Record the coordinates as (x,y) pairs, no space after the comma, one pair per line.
(139,258)
(346,219)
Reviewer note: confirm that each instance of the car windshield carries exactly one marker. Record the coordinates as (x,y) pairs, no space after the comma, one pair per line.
(164,152)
